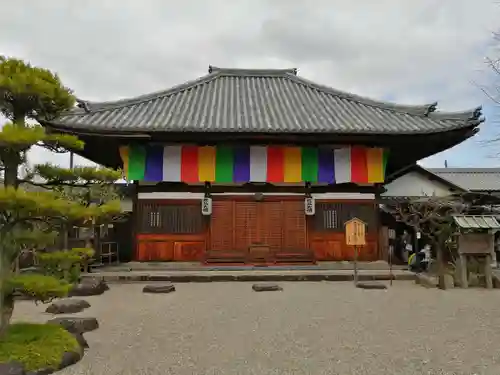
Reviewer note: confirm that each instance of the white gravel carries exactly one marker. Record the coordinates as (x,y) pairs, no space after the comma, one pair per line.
(309,328)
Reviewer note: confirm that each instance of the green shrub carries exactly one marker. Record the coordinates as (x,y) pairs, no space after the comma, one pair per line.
(66,264)
(36,346)
(63,265)
(40,287)
(83,252)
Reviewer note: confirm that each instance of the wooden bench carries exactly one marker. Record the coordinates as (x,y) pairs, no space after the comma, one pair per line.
(259,253)
(225,256)
(294,256)
(109,250)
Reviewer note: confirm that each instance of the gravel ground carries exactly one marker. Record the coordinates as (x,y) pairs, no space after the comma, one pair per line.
(309,328)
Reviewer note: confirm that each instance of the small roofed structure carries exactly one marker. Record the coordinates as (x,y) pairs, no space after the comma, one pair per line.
(476,240)
(476,222)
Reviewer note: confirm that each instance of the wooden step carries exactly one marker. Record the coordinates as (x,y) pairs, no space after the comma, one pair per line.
(225,257)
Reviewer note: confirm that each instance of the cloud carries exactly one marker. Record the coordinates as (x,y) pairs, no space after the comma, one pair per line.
(412,51)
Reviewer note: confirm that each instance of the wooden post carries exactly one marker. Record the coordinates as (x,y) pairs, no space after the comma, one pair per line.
(355,235)
(355,265)
(391,250)
(464,274)
(487,272)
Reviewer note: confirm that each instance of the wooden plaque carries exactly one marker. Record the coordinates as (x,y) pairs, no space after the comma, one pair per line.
(355,232)
(475,243)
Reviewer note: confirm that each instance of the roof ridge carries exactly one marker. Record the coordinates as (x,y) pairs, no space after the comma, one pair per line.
(93,107)
(251,72)
(85,106)
(421,110)
(465,170)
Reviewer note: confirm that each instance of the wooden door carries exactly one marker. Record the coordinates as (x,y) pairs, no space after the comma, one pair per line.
(222,226)
(245,225)
(236,225)
(270,224)
(294,226)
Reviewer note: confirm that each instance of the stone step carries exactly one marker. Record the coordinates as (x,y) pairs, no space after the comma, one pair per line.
(253,275)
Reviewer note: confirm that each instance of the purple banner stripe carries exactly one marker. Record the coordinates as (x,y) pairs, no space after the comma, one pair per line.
(154,164)
(241,166)
(326,169)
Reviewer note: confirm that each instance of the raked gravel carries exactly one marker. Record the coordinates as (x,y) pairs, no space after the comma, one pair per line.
(309,328)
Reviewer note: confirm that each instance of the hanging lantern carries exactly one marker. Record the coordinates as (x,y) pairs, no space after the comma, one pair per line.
(309,206)
(206,206)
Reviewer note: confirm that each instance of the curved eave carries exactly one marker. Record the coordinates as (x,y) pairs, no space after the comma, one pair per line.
(141,132)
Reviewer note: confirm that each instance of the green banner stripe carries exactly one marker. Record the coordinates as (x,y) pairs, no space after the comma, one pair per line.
(309,164)
(224,162)
(136,162)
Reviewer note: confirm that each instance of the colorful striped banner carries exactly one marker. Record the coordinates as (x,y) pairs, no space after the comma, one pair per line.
(239,164)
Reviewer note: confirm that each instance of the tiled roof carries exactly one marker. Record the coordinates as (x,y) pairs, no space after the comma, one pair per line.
(476,222)
(475,179)
(261,101)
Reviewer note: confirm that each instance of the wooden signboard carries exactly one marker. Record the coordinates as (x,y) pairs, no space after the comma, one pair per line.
(355,232)
(475,243)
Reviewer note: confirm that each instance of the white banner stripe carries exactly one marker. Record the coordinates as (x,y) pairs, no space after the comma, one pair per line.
(342,161)
(258,163)
(172,163)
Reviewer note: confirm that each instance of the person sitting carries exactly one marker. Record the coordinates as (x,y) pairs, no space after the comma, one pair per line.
(419,262)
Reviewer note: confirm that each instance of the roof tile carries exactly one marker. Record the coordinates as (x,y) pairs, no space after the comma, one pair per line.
(476,222)
(475,179)
(262,101)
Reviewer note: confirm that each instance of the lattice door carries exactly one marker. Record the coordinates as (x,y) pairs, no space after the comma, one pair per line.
(222,226)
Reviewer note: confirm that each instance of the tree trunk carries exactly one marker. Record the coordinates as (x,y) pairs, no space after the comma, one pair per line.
(11,169)
(6,310)
(12,157)
(441,261)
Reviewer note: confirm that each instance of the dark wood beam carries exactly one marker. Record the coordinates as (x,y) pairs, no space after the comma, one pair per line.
(260,188)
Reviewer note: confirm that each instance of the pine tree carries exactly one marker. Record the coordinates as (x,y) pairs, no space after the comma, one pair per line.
(30,218)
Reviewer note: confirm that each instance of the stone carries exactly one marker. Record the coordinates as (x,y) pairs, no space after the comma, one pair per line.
(95,281)
(164,288)
(474,280)
(88,287)
(425,280)
(496,280)
(371,285)
(69,358)
(76,325)
(12,368)
(80,339)
(67,306)
(449,282)
(266,287)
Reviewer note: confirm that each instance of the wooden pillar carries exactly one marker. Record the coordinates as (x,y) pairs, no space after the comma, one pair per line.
(487,272)
(464,274)
(381,250)
(134,218)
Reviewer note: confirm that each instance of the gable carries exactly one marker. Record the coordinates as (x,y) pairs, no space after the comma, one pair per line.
(414,184)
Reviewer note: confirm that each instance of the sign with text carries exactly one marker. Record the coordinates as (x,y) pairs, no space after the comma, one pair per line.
(355,232)
(309,206)
(206,206)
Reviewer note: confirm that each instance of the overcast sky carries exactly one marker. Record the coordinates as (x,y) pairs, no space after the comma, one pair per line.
(408,51)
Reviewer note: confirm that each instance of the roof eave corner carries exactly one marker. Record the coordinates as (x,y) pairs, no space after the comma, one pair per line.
(471,117)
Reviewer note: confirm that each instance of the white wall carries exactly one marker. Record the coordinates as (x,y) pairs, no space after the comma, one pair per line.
(414,184)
